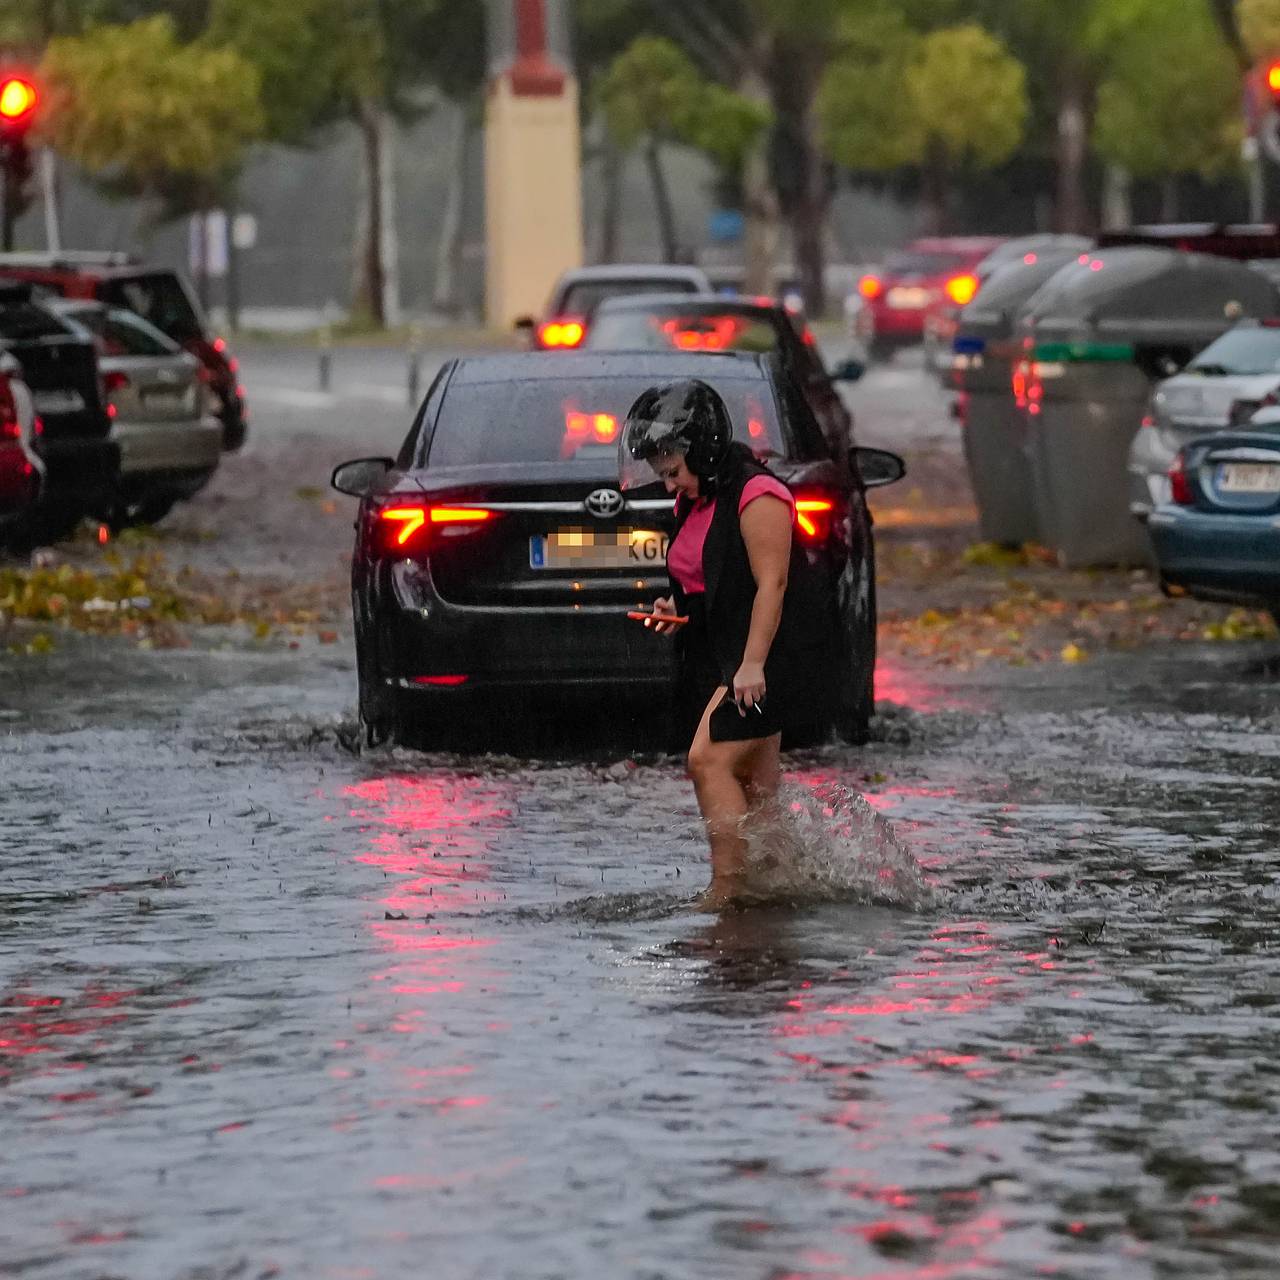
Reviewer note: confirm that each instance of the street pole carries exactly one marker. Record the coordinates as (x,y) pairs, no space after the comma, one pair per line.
(1251,154)
(6,207)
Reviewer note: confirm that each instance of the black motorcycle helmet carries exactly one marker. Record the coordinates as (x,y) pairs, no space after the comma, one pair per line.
(688,417)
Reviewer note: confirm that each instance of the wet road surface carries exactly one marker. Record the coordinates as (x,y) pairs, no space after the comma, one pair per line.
(271,1007)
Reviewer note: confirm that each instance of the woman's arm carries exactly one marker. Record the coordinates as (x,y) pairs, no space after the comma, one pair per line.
(766,530)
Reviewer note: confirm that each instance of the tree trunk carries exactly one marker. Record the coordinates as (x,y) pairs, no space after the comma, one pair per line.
(1169,199)
(809,213)
(233,269)
(1072,145)
(661,200)
(1117,198)
(760,200)
(369,298)
(936,191)
(444,297)
(611,166)
(390,233)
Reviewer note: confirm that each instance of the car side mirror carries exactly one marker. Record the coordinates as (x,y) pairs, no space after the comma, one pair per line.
(876,467)
(849,370)
(524,324)
(361,477)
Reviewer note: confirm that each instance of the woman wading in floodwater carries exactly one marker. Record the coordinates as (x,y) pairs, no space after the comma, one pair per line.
(733,571)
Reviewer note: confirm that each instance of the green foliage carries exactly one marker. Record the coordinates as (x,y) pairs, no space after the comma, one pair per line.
(131,100)
(653,89)
(1170,102)
(1260,26)
(893,97)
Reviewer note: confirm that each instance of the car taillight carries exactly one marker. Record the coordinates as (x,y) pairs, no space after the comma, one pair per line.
(10,427)
(1180,483)
(962,289)
(871,287)
(114,381)
(814,517)
(407,529)
(563,333)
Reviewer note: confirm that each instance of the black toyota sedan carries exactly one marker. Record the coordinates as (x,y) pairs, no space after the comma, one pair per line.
(496,558)
(688,322)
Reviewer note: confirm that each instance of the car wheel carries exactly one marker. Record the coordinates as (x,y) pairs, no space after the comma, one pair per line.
(375,704)
(857,702)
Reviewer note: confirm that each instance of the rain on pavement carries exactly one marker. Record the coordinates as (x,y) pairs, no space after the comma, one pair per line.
(271,1007)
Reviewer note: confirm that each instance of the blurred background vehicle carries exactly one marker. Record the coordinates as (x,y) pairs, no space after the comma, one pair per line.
(170,441)
(81,462)
(1223,387)
(159,295)
(21,471)
(497,555)
(684,323)
(579,292)
(1217,537)
(899,297)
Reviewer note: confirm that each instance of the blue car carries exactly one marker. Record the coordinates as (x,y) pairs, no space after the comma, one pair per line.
(1219,536)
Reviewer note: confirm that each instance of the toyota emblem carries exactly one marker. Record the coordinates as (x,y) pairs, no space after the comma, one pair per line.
(604,503)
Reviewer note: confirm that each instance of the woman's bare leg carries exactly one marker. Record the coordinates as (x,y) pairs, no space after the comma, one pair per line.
(728,778)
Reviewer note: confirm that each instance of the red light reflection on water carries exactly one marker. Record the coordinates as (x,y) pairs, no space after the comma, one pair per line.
(912,688)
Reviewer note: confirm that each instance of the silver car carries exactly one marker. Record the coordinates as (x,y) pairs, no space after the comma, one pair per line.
(162,415)
(1224,386)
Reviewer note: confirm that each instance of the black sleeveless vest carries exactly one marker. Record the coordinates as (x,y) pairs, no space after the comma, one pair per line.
(731,589)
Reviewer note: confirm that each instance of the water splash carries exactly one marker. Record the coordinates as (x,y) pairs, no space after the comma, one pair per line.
(829,845)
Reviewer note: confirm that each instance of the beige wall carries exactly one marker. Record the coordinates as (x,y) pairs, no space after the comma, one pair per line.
(533,198)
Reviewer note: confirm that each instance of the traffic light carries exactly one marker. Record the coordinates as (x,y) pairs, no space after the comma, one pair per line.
(19,102)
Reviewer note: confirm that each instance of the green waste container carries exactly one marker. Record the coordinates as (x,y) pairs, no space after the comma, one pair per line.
(1097,336)
(994,429)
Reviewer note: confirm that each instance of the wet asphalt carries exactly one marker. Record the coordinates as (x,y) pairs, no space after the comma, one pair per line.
(271,1005)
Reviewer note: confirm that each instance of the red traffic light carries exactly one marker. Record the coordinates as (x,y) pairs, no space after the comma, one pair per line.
(18,98)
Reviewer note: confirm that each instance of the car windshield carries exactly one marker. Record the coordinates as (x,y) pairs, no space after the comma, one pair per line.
(1242,351)
(574,420)
(667,329)
(121,333)
(922,264)
(158,297)
(584,296)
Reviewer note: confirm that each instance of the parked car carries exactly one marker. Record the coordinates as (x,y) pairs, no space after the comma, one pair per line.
(915,283)
(157,294)
(21,471)
(496,555)
(1217,537)
(81,462)
(1223,387)
(673,322)
(170,441)
(580,291)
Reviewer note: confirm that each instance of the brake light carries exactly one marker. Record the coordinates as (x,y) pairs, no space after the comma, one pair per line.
(220,345)
(114,381)
(1030,259)
(813,519)
(1180,483)
(441,682)
(871,287)
(404,528)
(600,428)
(10,428)
(563,333)
(962,289)
(710,333)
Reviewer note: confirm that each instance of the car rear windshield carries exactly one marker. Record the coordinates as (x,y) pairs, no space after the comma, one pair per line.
(922,264)
(573,420)
(1240,352)
(667,329)
(159,297)
(26,322)
(584,296)
(121,333)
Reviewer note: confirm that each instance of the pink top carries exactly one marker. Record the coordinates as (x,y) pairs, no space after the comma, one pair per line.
(684,559)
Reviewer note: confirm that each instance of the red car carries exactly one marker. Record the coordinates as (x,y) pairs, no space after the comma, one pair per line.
(158,295)
(915,283)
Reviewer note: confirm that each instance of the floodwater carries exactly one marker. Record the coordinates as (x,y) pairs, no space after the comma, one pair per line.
(271,1008)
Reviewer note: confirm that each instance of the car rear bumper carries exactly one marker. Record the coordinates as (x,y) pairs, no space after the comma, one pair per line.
(194,445)
(1235,559)
(888,324)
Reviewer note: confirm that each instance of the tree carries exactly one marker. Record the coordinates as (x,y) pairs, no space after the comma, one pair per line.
(943,102)
(653,93)
(132,102)
(1170,102)
(1258,22)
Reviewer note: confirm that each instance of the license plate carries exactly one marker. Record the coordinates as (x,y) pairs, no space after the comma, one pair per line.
(58,401)
(904,298)
(163,398)
(575,549)
(1249,477)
